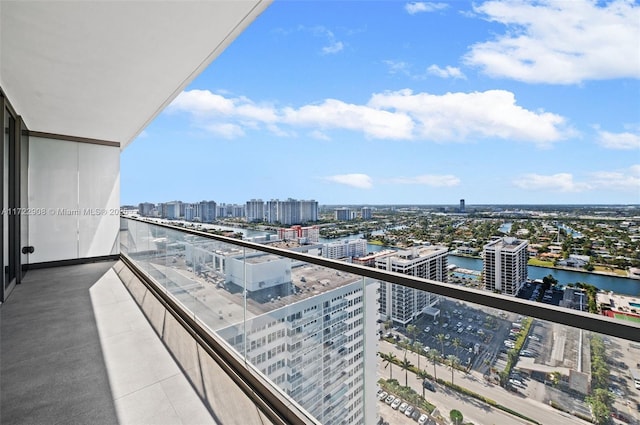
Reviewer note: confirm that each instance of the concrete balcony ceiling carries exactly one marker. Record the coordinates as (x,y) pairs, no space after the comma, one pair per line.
(105,69)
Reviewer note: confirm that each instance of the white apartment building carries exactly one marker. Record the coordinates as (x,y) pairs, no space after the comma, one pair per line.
(291,211)
(504,267)
(345,249)
(402,304)
(314,347)
(255,210)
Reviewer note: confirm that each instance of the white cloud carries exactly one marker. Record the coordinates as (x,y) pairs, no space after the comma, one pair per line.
(317,134)
(399,115)
(225,130)
(419,7)
(620,141)
(624,180)
(446,180)
(619,180)
(206,103)
(360,181)
(396,67)
(201,102)
(334,47)
(561,182)
(331,113)
(462,116)
(560,42)
(446,72)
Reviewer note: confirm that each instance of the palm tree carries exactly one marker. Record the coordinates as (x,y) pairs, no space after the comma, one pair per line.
(388,359)
(422,375)
(413,331)
(406,364)
(440,338)
(417,347)
(457,344)
(433,355)
(453,361)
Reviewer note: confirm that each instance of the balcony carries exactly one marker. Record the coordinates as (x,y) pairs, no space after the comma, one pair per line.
(115,358)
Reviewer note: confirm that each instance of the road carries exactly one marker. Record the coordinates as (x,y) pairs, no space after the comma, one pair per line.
(473,410)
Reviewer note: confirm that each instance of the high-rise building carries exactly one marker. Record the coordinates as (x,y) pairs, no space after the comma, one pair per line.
(347,249)
(504,267)
(189,212)
(171,210)
(238,211)
(462,206)
(145,209)
(255,210)
(343,214)
(366,213)
(291,211)
(402,304)
(208,211)
(313,346)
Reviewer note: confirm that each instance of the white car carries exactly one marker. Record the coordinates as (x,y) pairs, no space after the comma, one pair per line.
(423,419)
(408,411)
(403,407)
(396,404)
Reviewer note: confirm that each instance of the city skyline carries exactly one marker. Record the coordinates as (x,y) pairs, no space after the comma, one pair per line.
(425,103)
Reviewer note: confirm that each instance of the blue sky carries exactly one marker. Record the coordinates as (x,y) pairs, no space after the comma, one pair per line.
(389,102)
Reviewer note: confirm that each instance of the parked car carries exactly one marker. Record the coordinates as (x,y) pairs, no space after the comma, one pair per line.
(396,404)
(423,419)
(382,396)
(408,411)
(428,385)
(390,399)
(403,407)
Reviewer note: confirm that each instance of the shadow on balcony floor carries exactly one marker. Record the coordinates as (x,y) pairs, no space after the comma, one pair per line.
(75,349)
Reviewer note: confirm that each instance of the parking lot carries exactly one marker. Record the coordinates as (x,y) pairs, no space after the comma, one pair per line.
(473,335)
(393,411)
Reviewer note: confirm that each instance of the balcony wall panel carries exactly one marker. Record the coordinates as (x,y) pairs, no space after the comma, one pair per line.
(74,191)
(53,190)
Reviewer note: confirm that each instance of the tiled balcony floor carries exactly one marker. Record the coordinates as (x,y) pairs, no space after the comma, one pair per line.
(75,349)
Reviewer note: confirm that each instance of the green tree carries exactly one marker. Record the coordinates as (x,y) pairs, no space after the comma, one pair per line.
(422,375)
(600,402)
(388,359)
(456,416)
(433,355)
(417,347)
(452,361)
(413,332)
(457,344)
(440,338)
(406,364)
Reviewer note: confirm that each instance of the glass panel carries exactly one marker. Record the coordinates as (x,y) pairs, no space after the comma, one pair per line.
(493,367)
(322,338)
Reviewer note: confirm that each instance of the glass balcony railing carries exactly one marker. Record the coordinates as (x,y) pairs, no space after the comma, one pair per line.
(311,327)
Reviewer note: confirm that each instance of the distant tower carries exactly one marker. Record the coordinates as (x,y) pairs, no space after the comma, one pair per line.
(461,205)
(505,265)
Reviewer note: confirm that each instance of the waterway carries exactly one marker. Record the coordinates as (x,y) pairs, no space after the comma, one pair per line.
(619,285)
